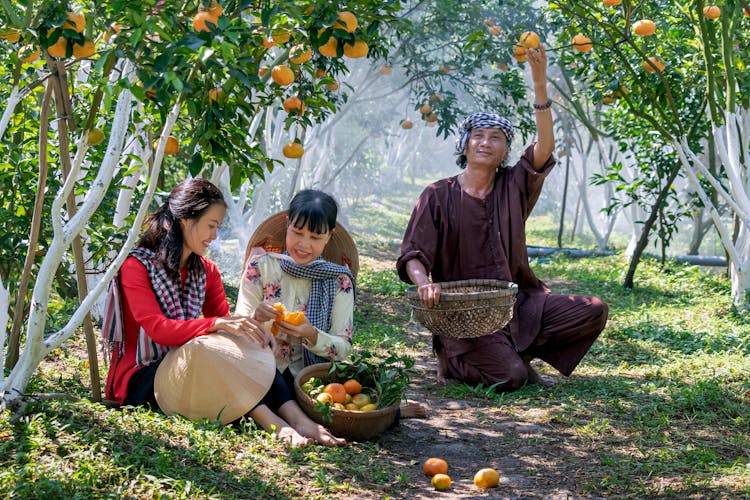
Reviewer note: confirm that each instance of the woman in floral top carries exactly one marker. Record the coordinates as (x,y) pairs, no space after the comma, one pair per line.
(302,280)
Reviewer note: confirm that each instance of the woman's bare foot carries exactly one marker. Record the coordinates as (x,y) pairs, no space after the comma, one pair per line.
(293,437)
(413,409)
(319,434)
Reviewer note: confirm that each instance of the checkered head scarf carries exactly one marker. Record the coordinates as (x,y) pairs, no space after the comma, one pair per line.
(480,120)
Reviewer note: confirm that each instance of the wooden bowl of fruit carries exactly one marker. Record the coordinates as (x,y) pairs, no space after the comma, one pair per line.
(333,396)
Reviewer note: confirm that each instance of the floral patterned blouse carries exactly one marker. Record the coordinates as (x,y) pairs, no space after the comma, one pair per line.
(263,280)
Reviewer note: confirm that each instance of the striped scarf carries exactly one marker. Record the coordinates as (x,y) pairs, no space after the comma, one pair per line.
(482,120)
(175,304)
(323,276)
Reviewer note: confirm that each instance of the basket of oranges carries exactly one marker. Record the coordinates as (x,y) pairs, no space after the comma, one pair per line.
(357,400)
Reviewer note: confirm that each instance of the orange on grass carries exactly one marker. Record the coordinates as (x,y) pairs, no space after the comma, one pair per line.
(76,22)
(300,54)
(433,466)
(352,387)
(644,27)
(349,21)
(330,48)
(582,43)
(712,11)
(337,392)
(486,478)
(612,3)
(293,150)
(529,40)
(359,49)
(282,75)
(441,482)
(653,65)
(88,49)
(201,20)
(294,103)
(407,124)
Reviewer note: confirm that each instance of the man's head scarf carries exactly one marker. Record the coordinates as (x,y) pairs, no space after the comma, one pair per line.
(480,120)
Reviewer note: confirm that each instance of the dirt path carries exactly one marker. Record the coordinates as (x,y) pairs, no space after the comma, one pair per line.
(471,433)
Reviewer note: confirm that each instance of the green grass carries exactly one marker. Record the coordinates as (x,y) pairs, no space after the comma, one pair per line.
(660,407)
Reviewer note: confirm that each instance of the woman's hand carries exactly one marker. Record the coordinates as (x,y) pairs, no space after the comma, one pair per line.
(304,331)
(265,312)
(429,293)
(241,325)
(537,59)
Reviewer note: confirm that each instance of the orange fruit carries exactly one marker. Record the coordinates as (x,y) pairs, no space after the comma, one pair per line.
(529,40)
(711,11)
(385,70)
(494,30)
(319,73)
(75,22)
(351,407)
(88,49)
(268,43)
(324,397)
(113,29)
(653,65)
(745,12)
(294,103)
(352,387)
(58,49)
(215,95)
(644,27)
(300,54)
(608,99)
(171,147)
(281,36)
(28,54)
(282,75)
(430,118)
(349,21)
(294,318)
(441,482)
(214,9)
(332,86)
(262,71)
(330,48)
(359,49)
(202,19)
(337,392)
(368,407)
(582,43)
(445,68)
(12,35)
(486,478)
(407,124)
(425,108)
(435,98)
(293,150)
(612,3)
(95,136)
(433,466)
(361,399)
(519,53)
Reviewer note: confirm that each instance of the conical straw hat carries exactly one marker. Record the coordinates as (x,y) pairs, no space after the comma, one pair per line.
(219,375)
(271,236)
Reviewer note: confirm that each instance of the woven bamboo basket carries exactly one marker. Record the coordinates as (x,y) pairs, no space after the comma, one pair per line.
(467,308)
(349,424)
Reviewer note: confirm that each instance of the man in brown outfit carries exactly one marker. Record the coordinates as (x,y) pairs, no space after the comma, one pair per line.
(473,225)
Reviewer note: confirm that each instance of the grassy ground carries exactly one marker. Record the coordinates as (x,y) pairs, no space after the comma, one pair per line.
(659,408)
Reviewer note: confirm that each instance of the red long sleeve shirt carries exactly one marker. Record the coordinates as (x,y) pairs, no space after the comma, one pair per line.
(141,309)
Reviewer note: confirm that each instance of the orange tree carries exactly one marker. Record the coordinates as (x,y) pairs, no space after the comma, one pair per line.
(144,76)
(685,84)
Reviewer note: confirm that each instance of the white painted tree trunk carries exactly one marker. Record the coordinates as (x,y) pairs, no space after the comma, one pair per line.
(731,141)
(4,318)
(37,347)
(13,100)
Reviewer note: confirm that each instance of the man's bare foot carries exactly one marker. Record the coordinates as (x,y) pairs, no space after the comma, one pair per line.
(319,434)
(294,438)
(535,378)
(413,409)
(442,367)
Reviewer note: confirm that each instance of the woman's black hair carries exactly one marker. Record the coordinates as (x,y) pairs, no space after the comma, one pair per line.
(313,209)
(163,234)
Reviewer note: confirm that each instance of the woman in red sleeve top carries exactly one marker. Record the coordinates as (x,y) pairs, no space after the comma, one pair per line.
(170,293)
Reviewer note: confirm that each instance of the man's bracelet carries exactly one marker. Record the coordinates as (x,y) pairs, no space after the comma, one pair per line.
(543,107)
